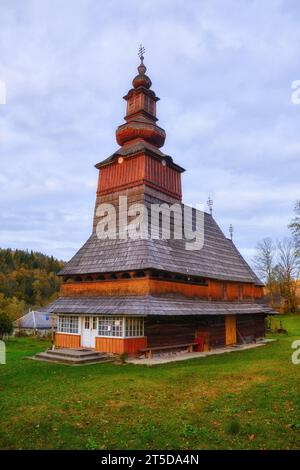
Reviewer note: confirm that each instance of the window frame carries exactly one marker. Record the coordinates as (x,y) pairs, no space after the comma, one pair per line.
(68,319)
(128,326)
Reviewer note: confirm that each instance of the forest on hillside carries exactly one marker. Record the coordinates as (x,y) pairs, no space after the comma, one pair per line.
(28,279)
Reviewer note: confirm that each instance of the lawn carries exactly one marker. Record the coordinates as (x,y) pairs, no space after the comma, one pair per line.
(242,400)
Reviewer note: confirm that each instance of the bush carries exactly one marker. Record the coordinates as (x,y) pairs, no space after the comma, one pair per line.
(274,326)
(6,325)
(123,357)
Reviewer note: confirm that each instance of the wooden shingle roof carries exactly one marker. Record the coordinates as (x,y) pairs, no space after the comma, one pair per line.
(218,259)
(152,305)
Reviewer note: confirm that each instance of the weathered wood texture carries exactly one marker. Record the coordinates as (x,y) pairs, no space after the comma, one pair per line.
(162,331)
(250,327)
(216,330)
(143,286)
(230,327)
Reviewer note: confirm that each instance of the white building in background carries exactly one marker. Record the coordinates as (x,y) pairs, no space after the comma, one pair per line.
(36,322)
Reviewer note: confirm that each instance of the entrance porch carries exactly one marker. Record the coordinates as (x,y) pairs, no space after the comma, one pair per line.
(109,334)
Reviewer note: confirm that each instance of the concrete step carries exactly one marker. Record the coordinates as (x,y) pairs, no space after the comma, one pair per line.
(91,359)
(75,353)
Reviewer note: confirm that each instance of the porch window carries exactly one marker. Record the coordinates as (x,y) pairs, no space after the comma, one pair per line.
(110,326)
(121,327)
(134,327)
(68,324)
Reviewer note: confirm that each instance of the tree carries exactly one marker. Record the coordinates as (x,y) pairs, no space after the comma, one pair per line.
(287,271)
(279,267)
(295,225)
(264,263)
(6,325)
(27,279)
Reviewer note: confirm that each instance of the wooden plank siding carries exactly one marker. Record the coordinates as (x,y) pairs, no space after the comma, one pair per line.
(163,331)
(129,346)
(143,286)
(250,328)
(230,327)
(232,291)
(65,340)
(167,331)
(134,286)
(140,169)
(217,332)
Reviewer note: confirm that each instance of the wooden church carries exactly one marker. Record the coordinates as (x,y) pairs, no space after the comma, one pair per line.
(138,296)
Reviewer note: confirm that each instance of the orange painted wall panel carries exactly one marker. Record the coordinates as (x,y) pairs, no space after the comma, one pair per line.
(189,290)
(113,287)
(65,340)
(232,291)
(215,290)
(230,326)
(141,286)
(258,292)
(136,170)
(133,345)
(120,345)
(115,175)
(248,291)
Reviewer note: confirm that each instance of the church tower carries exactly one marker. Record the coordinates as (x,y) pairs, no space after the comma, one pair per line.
(139,169)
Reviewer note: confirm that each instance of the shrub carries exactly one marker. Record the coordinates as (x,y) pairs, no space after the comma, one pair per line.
(6,325)
(123,357)
(274,326)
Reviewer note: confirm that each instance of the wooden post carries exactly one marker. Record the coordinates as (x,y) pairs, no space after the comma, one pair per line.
(52,330)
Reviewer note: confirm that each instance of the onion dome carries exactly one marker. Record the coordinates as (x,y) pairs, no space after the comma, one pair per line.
(141,79)
(141,130)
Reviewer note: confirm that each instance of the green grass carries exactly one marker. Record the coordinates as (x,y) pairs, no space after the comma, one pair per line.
(242,400)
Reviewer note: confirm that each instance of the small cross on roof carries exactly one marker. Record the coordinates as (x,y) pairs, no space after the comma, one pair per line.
(141,52)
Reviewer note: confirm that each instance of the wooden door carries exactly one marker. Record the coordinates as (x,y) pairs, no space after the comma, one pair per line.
(89,331)
(230,326)
(202,340)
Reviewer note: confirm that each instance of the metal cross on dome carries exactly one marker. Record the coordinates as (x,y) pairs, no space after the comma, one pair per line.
(141,52)
(210,204)
(231,230)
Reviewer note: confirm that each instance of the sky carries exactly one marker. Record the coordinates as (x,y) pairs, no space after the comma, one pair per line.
(223,70)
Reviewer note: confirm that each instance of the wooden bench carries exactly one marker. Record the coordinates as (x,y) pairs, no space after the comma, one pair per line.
(148,351)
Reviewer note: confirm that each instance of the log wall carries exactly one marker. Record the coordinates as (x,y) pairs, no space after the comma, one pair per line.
(249,328)
(163,331)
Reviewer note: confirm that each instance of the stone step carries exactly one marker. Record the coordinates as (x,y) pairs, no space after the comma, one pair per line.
(92,359)
(76,353)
